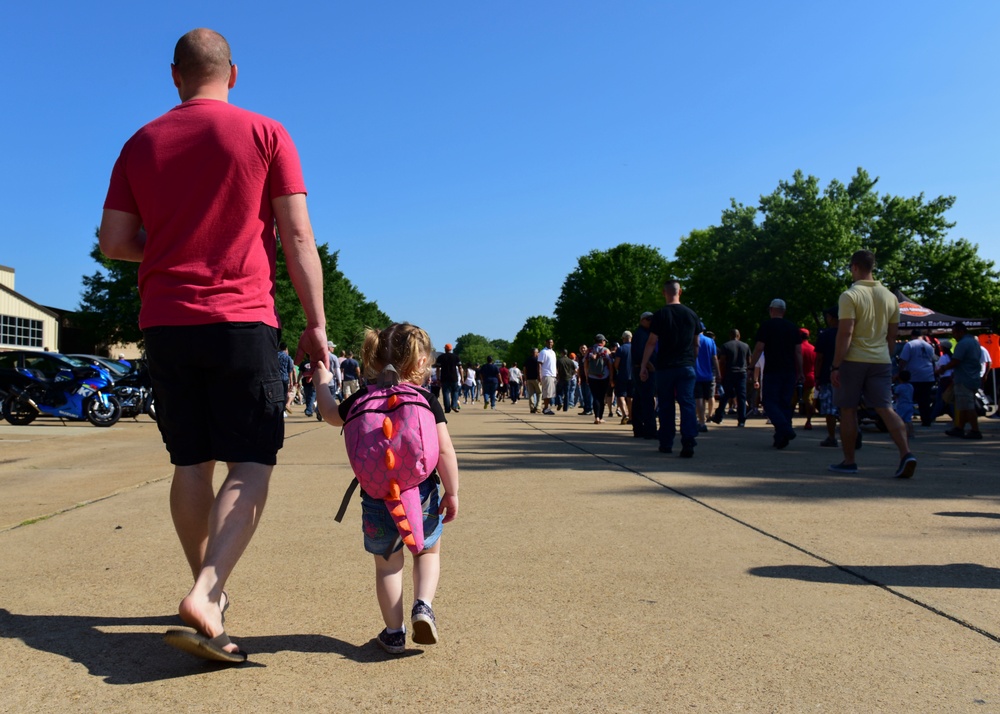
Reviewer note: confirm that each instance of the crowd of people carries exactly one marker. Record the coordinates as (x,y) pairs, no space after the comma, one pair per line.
(858,369)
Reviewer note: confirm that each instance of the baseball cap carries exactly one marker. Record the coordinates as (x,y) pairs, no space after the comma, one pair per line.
(448,346)
(600,338)
(645,316)
(778,303)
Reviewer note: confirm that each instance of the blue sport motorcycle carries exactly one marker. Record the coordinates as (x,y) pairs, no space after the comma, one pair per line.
(77,394)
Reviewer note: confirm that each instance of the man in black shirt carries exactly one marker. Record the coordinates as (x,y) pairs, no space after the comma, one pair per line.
(735,357)
(781,343)
(532,381)
(674,333)
(449,377)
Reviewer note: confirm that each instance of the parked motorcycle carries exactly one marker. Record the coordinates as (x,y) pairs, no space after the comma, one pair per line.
(79,393)
(135,392)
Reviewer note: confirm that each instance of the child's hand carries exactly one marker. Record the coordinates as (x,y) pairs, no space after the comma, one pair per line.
(321,375)
(450,504)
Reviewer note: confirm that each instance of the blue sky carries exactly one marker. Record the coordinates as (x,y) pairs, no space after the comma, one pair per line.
(482,147)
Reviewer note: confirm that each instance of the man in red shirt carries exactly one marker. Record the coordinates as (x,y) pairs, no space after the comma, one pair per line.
(808,377)
(194,198)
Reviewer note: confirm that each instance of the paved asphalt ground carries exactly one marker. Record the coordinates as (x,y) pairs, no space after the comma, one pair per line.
(586,573)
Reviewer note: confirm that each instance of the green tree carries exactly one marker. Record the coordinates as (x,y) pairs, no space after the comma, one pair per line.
(535,332)
(347,310)
(501,350)
(109,305)
(473,349)
(607,292)
(797,243)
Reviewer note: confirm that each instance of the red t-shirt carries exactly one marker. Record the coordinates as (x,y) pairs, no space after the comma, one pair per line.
(201,177)
(808,365)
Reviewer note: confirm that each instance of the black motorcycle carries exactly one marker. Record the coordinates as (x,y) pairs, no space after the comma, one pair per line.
(135,392)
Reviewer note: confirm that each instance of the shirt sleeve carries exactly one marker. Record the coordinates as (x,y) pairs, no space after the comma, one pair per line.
(435,405)
(120,196)
(845,307)
(285,173)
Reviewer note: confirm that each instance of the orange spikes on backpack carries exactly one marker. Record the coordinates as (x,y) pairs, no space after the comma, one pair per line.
(390,463)
(410,541)
(387,427)
(404,525)
(391,401)
(398,511)
(393,490)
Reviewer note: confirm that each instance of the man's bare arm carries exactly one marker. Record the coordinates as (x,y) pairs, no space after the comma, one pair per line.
(121,236)
(845,333)
(305,271)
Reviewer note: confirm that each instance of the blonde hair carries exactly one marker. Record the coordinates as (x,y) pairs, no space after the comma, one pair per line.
(401,345)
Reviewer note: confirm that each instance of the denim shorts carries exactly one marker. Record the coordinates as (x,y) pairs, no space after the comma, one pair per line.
(380,530)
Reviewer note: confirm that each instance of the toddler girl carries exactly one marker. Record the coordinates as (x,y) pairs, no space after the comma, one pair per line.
(408,349)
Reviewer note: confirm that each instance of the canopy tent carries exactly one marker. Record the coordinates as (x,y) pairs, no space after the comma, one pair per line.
(913,316)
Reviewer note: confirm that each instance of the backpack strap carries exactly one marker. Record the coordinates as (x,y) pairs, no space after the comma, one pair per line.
(347,499)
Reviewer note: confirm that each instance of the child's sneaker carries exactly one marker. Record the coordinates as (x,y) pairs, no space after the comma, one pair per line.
(392,642)
(422,618)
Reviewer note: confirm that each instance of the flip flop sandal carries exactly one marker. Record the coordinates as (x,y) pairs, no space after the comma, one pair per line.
(198,645)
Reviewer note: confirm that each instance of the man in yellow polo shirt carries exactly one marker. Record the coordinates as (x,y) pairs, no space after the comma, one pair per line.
(862,362)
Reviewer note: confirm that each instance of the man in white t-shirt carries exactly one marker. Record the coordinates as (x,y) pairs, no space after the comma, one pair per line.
(547,373)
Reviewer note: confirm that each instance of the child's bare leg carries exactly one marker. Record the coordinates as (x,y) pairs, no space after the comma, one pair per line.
(426,573)
(389,588)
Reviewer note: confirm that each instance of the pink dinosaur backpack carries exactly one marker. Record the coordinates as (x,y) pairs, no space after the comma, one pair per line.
(392,444)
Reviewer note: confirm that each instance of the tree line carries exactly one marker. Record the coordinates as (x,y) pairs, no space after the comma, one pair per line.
(795,244)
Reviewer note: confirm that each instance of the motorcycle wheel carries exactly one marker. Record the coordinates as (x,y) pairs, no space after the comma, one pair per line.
(17,412)
(99,415)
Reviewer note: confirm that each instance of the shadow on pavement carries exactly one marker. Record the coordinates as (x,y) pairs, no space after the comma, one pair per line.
(954,575)
(136,657)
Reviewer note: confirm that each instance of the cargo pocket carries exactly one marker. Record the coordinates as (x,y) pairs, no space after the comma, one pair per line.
(272,426)
(274,392)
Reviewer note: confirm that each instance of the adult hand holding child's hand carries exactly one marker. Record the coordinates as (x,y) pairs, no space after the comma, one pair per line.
(322,376)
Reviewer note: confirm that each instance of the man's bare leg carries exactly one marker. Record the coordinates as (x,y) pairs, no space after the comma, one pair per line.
(233,518)
(897,430)
(191,500)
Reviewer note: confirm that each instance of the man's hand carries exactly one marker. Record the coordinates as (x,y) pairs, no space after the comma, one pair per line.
(643,373)
(313,343)
(835,378)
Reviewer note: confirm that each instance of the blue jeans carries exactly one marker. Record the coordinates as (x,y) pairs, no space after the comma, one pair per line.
(734,384)
(776,395)
(309,397)
(586,397)
(676,384)
(562,394)
(449,391)
(490,392)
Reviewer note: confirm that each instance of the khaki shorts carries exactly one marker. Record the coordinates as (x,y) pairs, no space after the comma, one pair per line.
(548,387)
(965,398)
(869,381)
